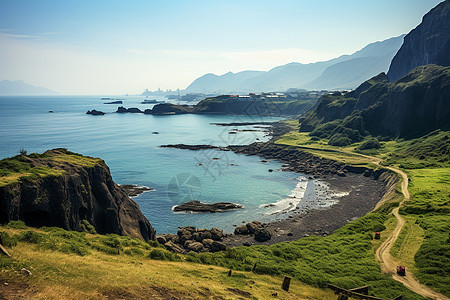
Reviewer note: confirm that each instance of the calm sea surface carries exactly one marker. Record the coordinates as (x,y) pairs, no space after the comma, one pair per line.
(130,148)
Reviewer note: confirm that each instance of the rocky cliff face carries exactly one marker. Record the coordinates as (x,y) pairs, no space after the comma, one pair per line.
(412,106)
(428,43)
(83,190)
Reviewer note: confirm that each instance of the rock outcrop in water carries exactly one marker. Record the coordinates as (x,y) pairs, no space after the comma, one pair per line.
(63,189)
(197,206)
(428,43)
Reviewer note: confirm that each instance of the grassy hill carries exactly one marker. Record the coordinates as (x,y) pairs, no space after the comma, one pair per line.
(85,265)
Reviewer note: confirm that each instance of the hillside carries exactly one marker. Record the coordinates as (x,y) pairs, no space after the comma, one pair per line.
(428,43)
(18,87)
(225,105)
(68,190)
(410,107)
(344,72)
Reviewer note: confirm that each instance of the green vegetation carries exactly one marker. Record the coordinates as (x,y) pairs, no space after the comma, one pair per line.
(345,258)
(226,105)
(371,143)
(423,245)
(68,265)
(33,166)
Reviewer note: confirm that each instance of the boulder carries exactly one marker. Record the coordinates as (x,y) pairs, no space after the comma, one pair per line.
(171,246)
(216,234)
(253,226)
(262,235)
(218,246)
(207,243)
(194,246)
(184,237)
(161,239)
(171,237)
(190,229)
(241,230)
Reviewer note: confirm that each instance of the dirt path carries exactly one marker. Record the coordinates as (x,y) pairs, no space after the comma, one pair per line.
(388,264)
(383,255)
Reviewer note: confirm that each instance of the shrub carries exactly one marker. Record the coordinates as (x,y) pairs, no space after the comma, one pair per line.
(370,144)
(17,225)
(160,254)
(7,240)
(88,227)
(339,140)
(31,237)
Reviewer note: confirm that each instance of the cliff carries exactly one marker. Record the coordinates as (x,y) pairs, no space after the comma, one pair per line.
(64,189)
(414,105)
(428,43)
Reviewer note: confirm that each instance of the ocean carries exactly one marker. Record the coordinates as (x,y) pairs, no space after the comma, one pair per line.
(129,144)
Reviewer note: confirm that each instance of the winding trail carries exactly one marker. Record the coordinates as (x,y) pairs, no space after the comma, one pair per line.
(383,255)
(387,262)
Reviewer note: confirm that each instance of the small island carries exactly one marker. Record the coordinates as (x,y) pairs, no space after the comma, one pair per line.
(197,206)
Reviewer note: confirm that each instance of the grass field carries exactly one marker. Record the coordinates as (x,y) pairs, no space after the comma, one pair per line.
(108,267)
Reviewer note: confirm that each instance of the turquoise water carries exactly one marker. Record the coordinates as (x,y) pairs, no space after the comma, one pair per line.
(127,143)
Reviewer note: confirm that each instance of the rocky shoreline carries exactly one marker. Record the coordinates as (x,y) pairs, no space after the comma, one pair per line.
(359,189)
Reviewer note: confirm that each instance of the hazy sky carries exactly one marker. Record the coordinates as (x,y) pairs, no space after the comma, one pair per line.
(117,47)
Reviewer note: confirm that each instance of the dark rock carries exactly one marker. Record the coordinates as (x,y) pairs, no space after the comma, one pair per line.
(207,243)
(253,226)
(247,244)
(194,246)
(241,230)
(171,237)
(80,193)
(133,190)
(95,112)
(161,239)
(428,43)
(185,229)
(218,246)
(217,234)
(171,246)
(290,234)
(262,235)
(197,206)
(122,109)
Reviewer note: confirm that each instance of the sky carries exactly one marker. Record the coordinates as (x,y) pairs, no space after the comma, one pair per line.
(117,46)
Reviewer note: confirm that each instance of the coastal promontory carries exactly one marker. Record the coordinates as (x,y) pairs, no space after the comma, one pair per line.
(64,189)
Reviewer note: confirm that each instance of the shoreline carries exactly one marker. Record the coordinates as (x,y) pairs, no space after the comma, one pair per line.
(340,194)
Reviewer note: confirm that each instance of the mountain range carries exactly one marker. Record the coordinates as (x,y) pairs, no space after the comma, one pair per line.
(18,87)
(344,72)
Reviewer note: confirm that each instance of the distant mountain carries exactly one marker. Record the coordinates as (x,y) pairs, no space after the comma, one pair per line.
(18,87)
(344,72)
(224,83)
(428,43)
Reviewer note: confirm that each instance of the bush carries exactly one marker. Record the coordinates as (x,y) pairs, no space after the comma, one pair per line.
(160,254)
(88,227)
(16,225)
(339,140)
(7,240)
(370,144)
(31,237)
